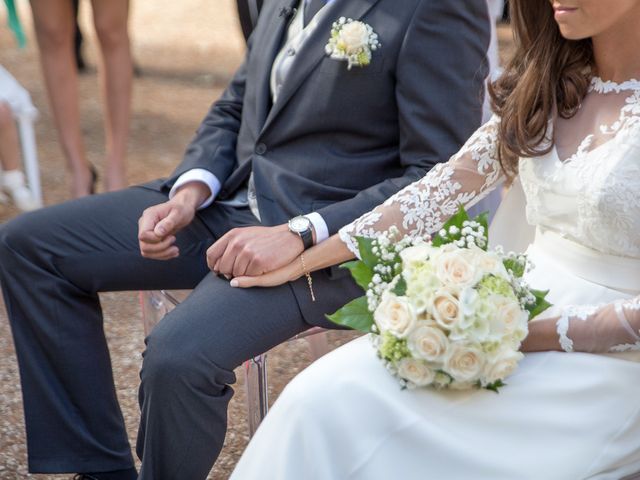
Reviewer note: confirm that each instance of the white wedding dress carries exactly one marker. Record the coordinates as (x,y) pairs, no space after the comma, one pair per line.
(564,416)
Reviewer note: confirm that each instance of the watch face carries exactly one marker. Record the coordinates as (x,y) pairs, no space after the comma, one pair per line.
(299,224)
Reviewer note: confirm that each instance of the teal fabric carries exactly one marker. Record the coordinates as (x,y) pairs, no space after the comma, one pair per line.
(14,23)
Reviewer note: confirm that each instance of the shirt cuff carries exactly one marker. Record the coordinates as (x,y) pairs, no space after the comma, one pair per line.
(198,175)
(319,225)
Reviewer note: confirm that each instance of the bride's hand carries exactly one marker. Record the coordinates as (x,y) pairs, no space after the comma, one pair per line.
(285,274)
(330,252)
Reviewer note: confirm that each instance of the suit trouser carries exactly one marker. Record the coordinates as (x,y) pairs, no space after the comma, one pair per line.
(52,264)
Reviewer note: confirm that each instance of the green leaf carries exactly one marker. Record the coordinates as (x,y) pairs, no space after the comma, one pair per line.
(483,219)
(516,267)
(541,303)
(355,315)
(400,288)
(365,246)
(456,220)
(360,272)
(495,386)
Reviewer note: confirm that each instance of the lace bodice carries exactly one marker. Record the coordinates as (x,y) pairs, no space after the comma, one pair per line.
(585,189)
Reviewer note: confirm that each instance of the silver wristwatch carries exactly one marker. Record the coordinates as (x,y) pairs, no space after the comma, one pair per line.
(301,226)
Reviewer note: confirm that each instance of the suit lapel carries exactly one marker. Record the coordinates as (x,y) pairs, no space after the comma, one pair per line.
(312,51)
(267,49)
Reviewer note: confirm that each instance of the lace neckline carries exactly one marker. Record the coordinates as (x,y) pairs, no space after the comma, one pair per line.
(599,85)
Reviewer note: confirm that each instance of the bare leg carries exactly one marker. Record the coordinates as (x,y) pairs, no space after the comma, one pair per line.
(110,19)
(9,147)
(54,28)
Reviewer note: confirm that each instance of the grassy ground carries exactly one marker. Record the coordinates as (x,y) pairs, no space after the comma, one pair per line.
(187,51)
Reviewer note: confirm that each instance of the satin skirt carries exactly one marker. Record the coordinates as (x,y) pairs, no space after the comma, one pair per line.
(562,416)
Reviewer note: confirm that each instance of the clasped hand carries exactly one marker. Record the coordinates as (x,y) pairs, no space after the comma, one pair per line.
(246,251)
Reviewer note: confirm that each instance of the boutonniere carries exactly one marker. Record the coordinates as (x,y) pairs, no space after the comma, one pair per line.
(352,41)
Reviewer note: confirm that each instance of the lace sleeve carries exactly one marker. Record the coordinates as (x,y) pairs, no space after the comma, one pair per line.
(420,209)
(612,327)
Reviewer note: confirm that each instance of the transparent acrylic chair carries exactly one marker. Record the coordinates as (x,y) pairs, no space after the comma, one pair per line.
(157,303)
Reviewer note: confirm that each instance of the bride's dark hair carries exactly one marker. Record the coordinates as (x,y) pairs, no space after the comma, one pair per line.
(546,74)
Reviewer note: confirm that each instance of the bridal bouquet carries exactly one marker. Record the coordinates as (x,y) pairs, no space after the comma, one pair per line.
(447,313)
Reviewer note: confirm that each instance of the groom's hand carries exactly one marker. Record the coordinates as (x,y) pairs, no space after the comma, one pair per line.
(159,224)
(253,250)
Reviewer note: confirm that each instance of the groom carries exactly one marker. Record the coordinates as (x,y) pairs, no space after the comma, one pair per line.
(296,132)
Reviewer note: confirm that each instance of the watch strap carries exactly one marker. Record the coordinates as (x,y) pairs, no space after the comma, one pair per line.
(307,238)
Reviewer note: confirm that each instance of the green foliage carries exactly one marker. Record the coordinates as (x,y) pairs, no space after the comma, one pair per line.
(483,219)
(455,221)
(400,289)
(365,246)
(514,266)
(360,272)
(540,304)
(495,386)
(355,315)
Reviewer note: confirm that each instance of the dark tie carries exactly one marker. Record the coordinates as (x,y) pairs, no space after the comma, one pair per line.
(312,7)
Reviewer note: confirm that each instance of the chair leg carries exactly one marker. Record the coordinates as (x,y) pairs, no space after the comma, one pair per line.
(154,308)
(30,157)
(255,373)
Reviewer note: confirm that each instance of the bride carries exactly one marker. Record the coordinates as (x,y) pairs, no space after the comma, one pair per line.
(568,125)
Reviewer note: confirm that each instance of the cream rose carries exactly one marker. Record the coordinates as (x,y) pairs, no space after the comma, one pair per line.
(427,342)
(509,316)
(416,254)
(416,371)
(454,269)
(464,363)
(395,315)
(445,309)
(501,366)
(490,263)
(353,37)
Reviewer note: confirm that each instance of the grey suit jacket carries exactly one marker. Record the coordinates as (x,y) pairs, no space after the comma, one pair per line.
(341,141)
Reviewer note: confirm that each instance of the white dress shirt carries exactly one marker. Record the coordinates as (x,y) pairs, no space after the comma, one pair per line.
(296,35)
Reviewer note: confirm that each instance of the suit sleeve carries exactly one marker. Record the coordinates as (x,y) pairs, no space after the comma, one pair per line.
(439,92)
(214,146)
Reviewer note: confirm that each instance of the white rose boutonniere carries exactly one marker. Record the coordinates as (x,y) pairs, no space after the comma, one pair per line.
(352,41)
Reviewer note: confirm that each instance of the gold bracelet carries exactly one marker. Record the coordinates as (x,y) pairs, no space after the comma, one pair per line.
(308,275)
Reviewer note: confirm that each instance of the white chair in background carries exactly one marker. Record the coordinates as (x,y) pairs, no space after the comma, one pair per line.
(25,114)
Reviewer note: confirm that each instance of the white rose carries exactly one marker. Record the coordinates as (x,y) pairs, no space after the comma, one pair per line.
(416,254)
(509,318)
(491,263)
(464,363)
(395,315)
(427,342)
(445,309)
(415,371)
(455,269)
(501,365)
(353,37)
